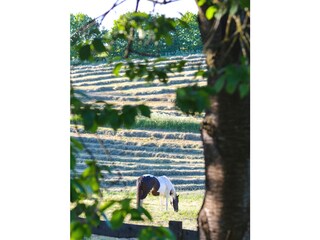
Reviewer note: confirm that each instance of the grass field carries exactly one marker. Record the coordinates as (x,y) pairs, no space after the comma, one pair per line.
(167,144)
(189,206)
(163,122)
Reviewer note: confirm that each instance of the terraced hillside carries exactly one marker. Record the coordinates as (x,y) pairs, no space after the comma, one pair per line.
(131,153)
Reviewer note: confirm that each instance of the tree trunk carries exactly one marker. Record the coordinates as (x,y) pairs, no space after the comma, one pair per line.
(225,132)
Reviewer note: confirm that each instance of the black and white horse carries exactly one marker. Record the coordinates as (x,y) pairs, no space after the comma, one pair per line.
(157,186)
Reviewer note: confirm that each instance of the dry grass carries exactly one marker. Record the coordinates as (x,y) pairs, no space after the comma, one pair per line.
(132,153)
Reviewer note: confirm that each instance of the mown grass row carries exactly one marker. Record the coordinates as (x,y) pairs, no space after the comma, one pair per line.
(162,123)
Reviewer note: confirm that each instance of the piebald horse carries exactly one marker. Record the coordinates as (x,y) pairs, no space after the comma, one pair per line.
(158,186)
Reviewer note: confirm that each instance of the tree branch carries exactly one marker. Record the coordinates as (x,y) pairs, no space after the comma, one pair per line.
(163,2)
(97,19)
(131,36)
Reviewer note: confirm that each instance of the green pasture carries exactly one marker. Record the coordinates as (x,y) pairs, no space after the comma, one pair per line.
(189,206)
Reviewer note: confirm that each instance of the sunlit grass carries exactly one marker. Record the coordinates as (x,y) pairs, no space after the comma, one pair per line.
(189,206)
(163,122)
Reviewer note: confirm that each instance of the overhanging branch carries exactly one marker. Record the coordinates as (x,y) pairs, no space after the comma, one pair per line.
(97,19)
(163,2)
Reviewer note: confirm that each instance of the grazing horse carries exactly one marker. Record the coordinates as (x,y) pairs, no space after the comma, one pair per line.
(158,186)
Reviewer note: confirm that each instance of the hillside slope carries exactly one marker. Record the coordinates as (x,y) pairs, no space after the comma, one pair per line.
(130,153)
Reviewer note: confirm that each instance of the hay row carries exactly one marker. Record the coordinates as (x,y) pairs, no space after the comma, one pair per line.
(148,135)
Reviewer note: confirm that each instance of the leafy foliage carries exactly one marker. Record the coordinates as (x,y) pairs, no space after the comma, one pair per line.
(234,78)
(193,99)
(79,47)
(148,70)
(156,234)
(85,194)
(92,116)
(154,35)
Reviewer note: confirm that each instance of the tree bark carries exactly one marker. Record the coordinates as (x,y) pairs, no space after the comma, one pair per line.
(225,132)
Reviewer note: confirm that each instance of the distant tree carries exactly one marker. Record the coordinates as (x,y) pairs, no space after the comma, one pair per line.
(183,41)
(78,39)
(187,37)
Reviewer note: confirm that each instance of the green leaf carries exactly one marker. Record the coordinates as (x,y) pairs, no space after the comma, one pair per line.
(79,209)
(219,83)
(76,105)
(201,73)
(79,230)
(202,100)
(163,77)
(94,184)
(117,69)
(128,115)
(85,52)
(72,160)
(201,2)
(193,99)
(117,218)
(114,119)
(125,204)
(245,4)
(106,205)
(156,233)
(98,45)
(76,143)
(144,110)
(88,117)
(145,212)
(180,66)
(150,76)
(102,117)
(231,87)
(77,185)
(183,24)
(210,12)
(244,90)
(168,39)
(73,193)
(87,172)
(135,215)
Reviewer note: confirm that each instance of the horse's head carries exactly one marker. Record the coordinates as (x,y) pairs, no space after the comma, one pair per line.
(175,203)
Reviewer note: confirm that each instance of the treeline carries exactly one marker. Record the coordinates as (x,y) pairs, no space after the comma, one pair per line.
(183,38)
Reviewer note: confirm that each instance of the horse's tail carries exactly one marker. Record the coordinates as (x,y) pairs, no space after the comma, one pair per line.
(138,191)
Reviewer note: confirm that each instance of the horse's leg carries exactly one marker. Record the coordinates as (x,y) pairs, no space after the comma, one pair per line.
(167,198)
(138,184)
